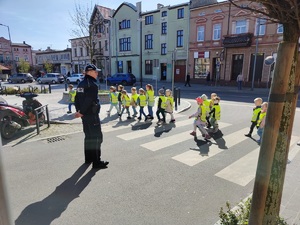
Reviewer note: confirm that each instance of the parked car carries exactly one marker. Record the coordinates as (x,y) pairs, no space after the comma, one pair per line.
(75,78)
(122,78)
(53,78)
(21,78)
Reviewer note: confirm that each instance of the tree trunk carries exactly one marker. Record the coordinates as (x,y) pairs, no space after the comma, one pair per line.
(274,142)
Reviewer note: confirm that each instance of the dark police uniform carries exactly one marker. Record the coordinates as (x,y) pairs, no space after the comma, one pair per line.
(87,103)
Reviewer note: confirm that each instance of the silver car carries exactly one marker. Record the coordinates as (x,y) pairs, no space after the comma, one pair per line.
(54,78)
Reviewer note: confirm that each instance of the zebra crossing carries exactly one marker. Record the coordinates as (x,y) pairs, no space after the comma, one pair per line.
(241,171)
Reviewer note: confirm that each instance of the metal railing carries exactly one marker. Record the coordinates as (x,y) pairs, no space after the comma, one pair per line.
(39,111)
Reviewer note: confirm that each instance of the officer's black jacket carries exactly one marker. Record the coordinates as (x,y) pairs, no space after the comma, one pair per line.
(87,96)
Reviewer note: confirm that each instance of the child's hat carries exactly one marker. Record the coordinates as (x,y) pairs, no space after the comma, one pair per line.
(199,100)
(204,96)
(161,91)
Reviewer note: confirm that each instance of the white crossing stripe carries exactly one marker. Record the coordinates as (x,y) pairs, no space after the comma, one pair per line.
(151,130)
(294,152)
(242,171)
(193,157)
(109,127)
(172,140)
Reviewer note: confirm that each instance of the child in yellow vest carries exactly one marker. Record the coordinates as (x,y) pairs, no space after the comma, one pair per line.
(113,98)
(125,104)
(150,100)
(161,106)
(200,119)
(170,104)
(211,103)
(215,114)
(72,94)
(142,102)
(255,115)
(133,101)
(261,121)
(206,102)
(120,89)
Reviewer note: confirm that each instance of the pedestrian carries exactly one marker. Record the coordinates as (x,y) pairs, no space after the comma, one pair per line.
(240,80)
(150,100)
(133,100)
(125,104)
(208,78)
(120,89)
(113,99)
(206,103)
(170,105)
(211,103)
(187,80)
(161,106)
(72,94)
(88,108)
(215,114)
(142,102)
(261,121)
(255,115)
(200,119)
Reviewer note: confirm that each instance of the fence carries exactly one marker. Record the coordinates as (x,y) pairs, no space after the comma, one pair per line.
(38,111)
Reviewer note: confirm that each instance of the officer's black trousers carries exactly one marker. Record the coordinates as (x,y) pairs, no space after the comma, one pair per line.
(93,138)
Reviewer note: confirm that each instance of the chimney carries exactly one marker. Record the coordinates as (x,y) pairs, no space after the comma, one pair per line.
(24,42)
(159,6)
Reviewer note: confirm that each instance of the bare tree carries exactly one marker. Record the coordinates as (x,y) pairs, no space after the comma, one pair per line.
(87,27)
(283,96)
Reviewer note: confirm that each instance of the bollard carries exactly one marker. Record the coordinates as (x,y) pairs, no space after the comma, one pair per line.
(49,88)
(30,88)
(178,95)
(175,98)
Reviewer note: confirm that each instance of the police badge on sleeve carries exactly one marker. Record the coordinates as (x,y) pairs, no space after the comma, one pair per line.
(80,90)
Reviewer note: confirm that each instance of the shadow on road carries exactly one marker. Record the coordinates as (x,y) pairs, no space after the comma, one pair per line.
(51,207)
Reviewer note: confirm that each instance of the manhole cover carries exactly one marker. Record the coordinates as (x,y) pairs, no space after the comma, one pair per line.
(55,139)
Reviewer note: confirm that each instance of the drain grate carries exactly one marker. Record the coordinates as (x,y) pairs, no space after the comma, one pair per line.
(55,139)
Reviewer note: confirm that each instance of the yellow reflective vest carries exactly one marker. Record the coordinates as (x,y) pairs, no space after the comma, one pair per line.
(134,98)
(126,100)
(207,104)
(202,114)
(163,103)
(113,97)
(72,95)
(143,100)
(217,112)
(150,96)
(256,113)
(261,116)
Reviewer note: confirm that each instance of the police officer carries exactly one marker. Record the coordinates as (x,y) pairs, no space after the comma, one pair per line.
(88,108)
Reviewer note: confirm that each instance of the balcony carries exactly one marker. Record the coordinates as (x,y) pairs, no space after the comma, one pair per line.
(237,40)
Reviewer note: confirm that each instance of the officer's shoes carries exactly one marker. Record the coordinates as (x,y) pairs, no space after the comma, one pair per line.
(128,117)
(69,112)
(100,165)
(248,135)
(139,118)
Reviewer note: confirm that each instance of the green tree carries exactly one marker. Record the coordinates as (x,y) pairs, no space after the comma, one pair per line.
(48,66)
(283,97)
(24,66)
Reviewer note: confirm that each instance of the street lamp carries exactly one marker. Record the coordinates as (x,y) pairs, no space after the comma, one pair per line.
(173,67)
(12,54)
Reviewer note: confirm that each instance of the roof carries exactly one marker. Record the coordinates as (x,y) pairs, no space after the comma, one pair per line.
(3,68)
(104,11)
(201,3)
(21,45)
(126,4)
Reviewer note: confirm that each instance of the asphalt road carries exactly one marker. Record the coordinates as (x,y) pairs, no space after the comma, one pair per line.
(156,175)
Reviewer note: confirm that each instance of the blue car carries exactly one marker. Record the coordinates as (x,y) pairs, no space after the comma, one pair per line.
(121,78)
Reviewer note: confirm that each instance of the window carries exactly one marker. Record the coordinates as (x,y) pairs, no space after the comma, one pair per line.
(17,58)
(262,26)
(164,28)
(149,20)
(200,33)
(179,38)
(106,45)
(180,13)
(87,51)
(124,24)
(81,51)
(217,32)
(163,49)
(100,45)
(26,58)
(241,27)
(149,41)
(75,52)
(164,13)
(279,28)
(148,67)
(125,44)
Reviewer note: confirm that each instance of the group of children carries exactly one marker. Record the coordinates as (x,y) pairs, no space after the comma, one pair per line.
(121,101)
(258,118)
(208,113)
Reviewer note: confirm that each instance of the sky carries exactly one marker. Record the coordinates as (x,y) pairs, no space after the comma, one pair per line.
(43,24)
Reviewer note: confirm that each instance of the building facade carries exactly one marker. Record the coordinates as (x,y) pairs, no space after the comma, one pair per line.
(22,51)
(226,40)
(60,59)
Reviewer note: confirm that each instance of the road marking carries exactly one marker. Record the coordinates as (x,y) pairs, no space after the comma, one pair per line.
(172,140)
(151,130)
(193,157)
(242,171)
(294,152)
